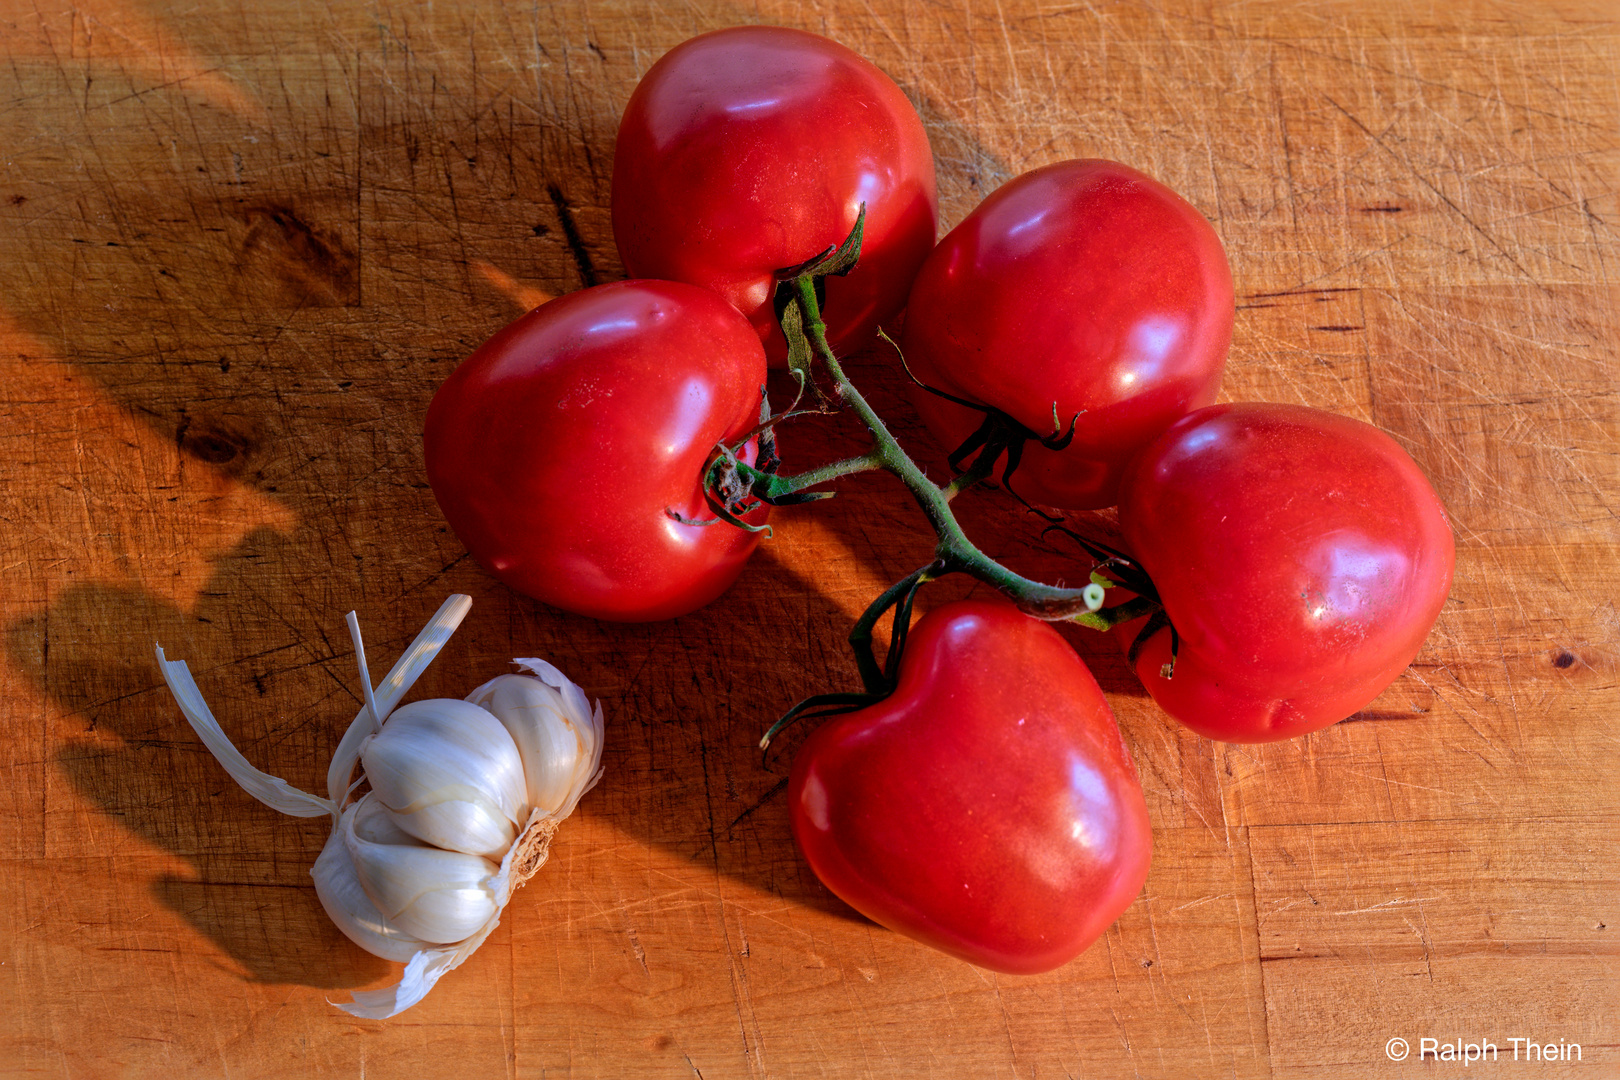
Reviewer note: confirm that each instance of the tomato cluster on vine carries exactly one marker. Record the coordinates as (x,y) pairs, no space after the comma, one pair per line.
(612,453)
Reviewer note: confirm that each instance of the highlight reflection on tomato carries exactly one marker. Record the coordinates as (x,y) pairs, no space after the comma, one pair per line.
(1301,556)
(1084,285)
(751,149)
(556,449)
(988,807)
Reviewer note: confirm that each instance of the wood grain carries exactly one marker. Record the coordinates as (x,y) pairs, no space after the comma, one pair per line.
(241,244)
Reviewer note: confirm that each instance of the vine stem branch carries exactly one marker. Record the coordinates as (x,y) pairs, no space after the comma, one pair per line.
(774,486)
(954,551)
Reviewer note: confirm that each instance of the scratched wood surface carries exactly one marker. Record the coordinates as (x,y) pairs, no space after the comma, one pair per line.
(240,244)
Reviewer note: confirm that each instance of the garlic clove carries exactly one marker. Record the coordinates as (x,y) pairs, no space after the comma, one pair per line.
(347,904)
(450,913)
(374,824)
(450,774)
(586,718)
(557,733)
(428,893)
(471,824)
(552,747)
(395,685)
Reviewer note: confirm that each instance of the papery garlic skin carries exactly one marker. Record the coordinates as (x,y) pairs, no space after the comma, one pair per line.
(558,734)
(426,892)
(352,911)
(451,775)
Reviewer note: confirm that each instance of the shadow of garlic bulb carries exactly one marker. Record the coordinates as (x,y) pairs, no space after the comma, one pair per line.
(463,799)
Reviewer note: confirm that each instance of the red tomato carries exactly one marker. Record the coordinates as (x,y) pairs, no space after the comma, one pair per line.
(748,150)
(1301,556)
(1085,285)
(988,807)
(556,448)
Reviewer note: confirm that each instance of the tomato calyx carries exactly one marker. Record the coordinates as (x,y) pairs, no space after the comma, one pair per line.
(1157,621)
(900,596)
(1112,568)
(724,490)
(800,319)
(734,489)
(999,433)
(879,681)
(726,494)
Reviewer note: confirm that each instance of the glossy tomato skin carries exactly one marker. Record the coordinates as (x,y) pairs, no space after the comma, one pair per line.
(555,449)
(989,807)
(1302,557)
(751,149)
(1084,284)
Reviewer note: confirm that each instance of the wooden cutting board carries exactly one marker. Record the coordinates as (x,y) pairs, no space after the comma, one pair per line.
(240,245)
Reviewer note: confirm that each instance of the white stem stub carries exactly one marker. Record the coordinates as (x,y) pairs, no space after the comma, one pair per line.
(464,798)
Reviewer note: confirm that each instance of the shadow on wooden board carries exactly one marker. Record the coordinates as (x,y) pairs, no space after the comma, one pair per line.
(135,760)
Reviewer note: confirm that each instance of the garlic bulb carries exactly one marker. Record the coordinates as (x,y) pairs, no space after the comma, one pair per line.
(464,799)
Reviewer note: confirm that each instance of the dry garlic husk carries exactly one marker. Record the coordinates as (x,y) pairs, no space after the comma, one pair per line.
(464,799)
